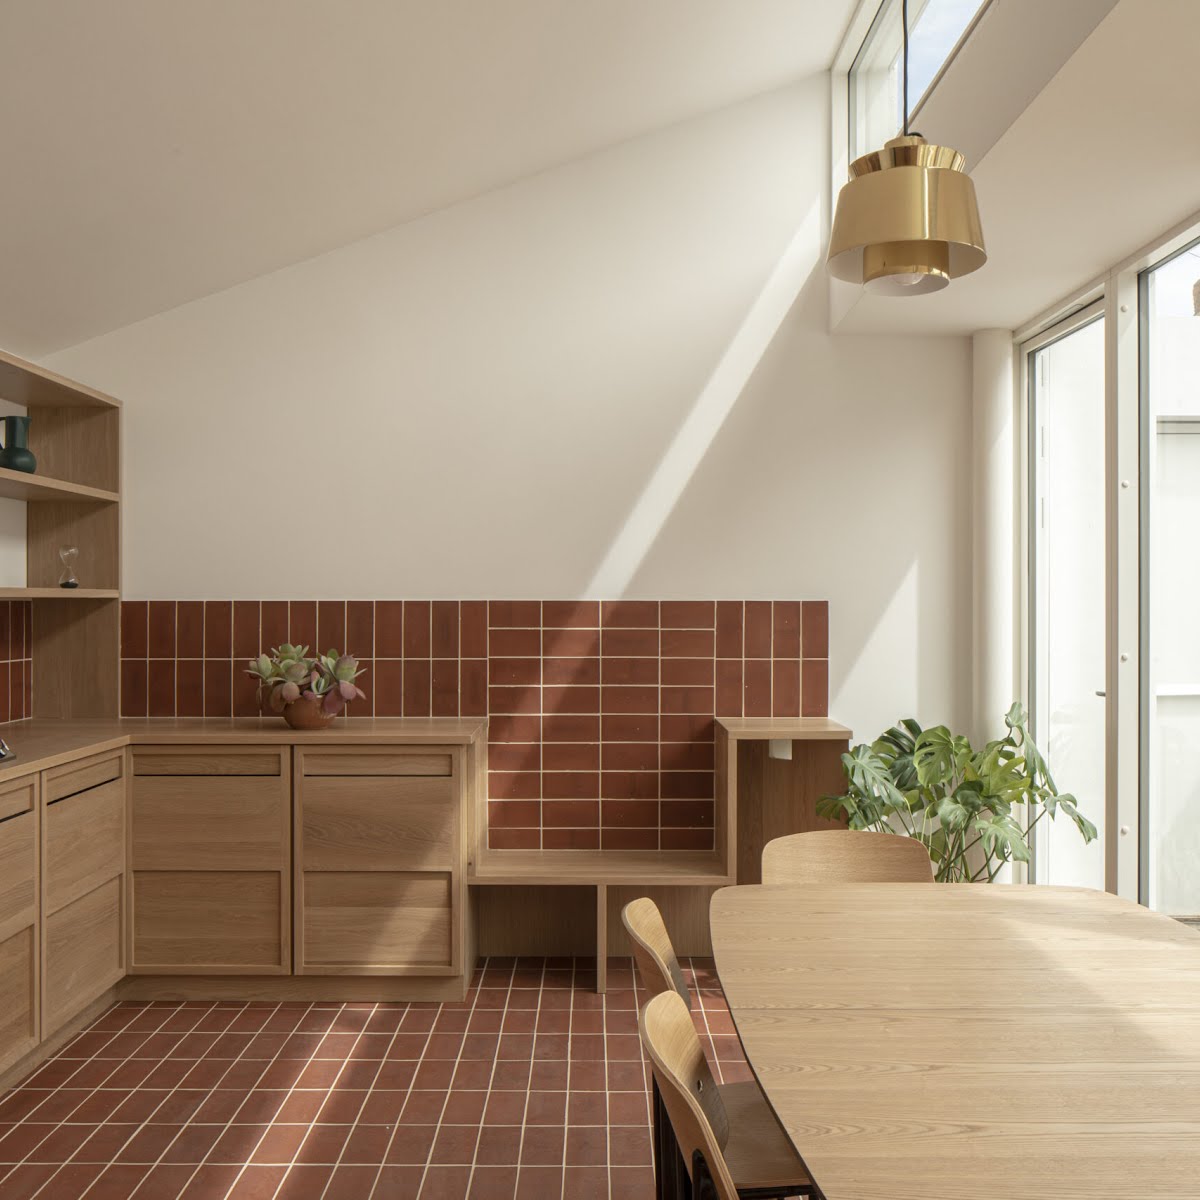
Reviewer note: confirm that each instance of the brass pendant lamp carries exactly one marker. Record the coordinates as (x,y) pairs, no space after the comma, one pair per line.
(907,222)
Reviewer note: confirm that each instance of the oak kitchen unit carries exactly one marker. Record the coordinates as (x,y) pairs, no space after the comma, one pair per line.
(208,859)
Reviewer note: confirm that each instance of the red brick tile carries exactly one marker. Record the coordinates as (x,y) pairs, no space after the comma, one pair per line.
(509,814)
(629,643)
(444,623)
(629,613)
(786,629)
(473,631)
(507,672)
(6,713)
(302,624)
(161,641)
(569,814)
(571,670)
(757,688)
(389,629)
(331,625)
(728,698)
(160,688)
(683,727)
(641,727)
(814,690)
(246,641)
(133,687)
(492,1182)
(444,686)
(571,839)
(687,700)
(570,699)
(189,688)
(629,785)
(687,672)
(785,688)
(514,839)
(539,1182)
(515,643)
(688,643)
(686,814)
(360,629)
(627,671)
(416,686)
(614,837)
(685,839)
(571,643)
(473,695)
(570,728)
(685,785)
(758,624)
(571,614)
(190,629)
(567,756)
(386,688)
(729,629)
(514,785)
(514,614)
(134,642)
(815,625)
(618,699)
(274,624)
(511,701)
(515,729)
(245,693)
(570,785)
(629,814)
(515,756)
(686,756)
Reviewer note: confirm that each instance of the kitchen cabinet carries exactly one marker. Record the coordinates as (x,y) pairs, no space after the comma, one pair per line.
(19,874)
(211,860)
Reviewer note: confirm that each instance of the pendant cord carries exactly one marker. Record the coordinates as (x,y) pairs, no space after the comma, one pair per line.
(904,20)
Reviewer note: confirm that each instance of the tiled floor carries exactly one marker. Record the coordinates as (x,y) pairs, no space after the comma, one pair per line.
(534,1088)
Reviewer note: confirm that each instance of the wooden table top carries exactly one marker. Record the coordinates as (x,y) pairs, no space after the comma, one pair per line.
(965,1041)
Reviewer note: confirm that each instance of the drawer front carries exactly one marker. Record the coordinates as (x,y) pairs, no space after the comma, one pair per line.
(85,842)
(208,922)
(379,824)
(79,776)
(18,870)
(371,760)
(197,760)
(195,824)
(18,992)
(19,796)
(82,954)
(377,923)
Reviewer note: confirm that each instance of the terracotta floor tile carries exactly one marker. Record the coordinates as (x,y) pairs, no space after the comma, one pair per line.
(164,1182)
(305,1181)
(210,1182)
(257,1183)
(499,1145)
(398,1183)
(538,1183)
(22,1182)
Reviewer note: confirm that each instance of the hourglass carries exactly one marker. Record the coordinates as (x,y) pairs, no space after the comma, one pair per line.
(68,554)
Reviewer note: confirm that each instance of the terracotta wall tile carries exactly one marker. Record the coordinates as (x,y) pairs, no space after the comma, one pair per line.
(6,703)
(601,714)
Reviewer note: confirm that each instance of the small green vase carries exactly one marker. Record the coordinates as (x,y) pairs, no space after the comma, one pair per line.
(16,455)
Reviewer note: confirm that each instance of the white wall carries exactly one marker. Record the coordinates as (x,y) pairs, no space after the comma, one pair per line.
(552,390)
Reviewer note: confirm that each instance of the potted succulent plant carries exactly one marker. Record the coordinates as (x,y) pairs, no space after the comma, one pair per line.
(308,691)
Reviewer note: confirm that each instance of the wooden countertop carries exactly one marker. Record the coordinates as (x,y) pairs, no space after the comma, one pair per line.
(784,729)
(39,744)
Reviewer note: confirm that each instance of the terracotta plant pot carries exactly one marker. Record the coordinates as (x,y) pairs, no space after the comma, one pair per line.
(308,714)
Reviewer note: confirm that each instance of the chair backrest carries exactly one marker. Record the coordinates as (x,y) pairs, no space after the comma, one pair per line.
(845,856)
(655,956)
(687,1087)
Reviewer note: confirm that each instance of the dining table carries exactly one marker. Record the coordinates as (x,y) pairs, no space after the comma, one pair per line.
(970,1041)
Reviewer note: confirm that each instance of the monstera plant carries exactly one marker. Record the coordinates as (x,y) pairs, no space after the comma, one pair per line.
(973,810)
(309,692)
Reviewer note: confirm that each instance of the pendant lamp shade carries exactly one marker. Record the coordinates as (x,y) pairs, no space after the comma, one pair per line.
(907,221)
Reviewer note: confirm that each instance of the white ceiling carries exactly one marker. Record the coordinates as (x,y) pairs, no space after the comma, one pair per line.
(159,150)
(1104,160)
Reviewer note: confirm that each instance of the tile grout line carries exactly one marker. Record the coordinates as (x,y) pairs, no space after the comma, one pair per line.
(491,1078)
(537,1018)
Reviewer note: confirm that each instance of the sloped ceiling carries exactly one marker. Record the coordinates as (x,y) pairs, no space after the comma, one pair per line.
(158,150)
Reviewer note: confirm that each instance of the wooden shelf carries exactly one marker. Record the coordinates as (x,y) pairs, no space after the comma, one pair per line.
(26,383)
(20,485)
(57,593)
(591,867)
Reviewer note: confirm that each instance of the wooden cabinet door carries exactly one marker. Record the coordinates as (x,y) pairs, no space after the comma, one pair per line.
(19,973)
(211,861)
(379,860)
(83,868)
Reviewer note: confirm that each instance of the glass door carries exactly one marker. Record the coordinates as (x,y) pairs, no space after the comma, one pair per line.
(1169,310)
(1065,380)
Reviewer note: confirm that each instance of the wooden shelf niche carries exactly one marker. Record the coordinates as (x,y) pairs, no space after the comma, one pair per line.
(74,499)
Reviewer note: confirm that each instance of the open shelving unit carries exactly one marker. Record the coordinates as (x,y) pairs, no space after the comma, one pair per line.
(74,498)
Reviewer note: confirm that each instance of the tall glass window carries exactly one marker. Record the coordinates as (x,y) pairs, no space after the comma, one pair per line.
(876,105)
(1066,387)
(1170,835)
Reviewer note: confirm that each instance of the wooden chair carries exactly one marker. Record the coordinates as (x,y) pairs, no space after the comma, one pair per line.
(760,1158)
(652,950)
(845,856)
(728,1136)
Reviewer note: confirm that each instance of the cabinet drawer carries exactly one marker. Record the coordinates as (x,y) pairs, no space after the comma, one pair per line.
(85,842)
(18,869)
(18,796)
(78,776)
(82,953)
(379,824)
(208,922)
(376,760)
(215,824)
(376,923)
(18,992)
(196,760)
